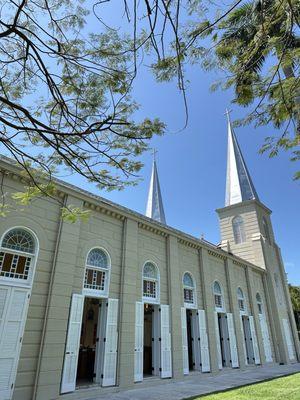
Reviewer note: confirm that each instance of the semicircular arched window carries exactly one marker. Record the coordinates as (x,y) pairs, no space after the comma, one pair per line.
(188,290)
(238,229)
(259,303)
(97,271)
(218,295)
(17,253)
(150,282)
(241,299)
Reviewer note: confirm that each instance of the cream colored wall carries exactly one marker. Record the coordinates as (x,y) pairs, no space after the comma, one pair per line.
(189,262)
(101,231)
(259,288)
(42,218)
(216,272)
(127,260)
(152,247)
(239,280)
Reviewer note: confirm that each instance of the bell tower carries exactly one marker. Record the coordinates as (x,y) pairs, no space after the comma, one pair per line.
(244,221)
(247,232)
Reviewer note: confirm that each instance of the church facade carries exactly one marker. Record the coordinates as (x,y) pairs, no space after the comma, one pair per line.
(123,298)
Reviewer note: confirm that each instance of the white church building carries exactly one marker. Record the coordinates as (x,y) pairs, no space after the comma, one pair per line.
(122,298)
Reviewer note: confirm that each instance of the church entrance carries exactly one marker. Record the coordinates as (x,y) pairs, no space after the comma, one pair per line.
(248,340)
(193,339)
(151,356)
(224,340)
(91,348)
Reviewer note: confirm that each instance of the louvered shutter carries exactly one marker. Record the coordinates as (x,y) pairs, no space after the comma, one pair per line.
(266,338)
(254,341)
(165,349)
(185,354)
(204,350)
(13,311)
(232,341)
(289,339)
(111,344)
(139,342)
(244,340)
(72,346)
(219,354)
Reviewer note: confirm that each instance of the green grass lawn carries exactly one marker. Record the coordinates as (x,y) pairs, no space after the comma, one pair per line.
(286,388)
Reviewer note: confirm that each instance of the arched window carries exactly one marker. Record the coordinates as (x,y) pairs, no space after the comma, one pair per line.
(218,295)
(97,270)
(238,229)
(189,289)
(17,252)
(150,282)
(241,299)
(266,229)
(259,303)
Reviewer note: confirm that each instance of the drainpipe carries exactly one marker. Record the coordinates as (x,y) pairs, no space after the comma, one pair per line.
(53,269)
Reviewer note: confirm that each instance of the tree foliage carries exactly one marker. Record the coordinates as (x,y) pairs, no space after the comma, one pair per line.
(295,297)
(67,76)
(256,44)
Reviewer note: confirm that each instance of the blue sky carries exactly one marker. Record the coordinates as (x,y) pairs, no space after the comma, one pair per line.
(192,161)
(192,164)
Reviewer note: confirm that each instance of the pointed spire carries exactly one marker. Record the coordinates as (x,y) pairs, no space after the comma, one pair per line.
(155,208)
(239,186)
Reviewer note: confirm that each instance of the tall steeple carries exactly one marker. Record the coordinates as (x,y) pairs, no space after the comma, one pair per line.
(155,208)
(239,186)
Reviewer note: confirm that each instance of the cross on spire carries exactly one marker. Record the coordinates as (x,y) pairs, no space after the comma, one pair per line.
(154,152)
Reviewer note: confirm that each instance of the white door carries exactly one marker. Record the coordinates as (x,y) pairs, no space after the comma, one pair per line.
(219,354)
(254,340)
(68,383)
(139,342)
(266,338)
(165,346)
(13,311)
(232,341)
(204,350)
(185,353)
(111,344)
(289,339)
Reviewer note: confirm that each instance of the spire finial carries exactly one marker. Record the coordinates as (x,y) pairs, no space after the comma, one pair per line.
(239,186)
(154,152)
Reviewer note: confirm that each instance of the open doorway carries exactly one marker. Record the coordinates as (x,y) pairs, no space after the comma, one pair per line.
(248,340)
(90,343)
(224,340)
(193,340)
(151,340)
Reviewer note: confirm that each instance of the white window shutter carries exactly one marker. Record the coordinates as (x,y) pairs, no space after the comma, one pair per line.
(13,311)
(232,341)
(185,354)
(111,344)
(68,383)
(204,349)
(254,340)
(139,342)
(219,355)
(165,344)
(289,339)
(243,338)
(266,338)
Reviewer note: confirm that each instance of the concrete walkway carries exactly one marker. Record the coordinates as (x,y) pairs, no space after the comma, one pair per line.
(197,384)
